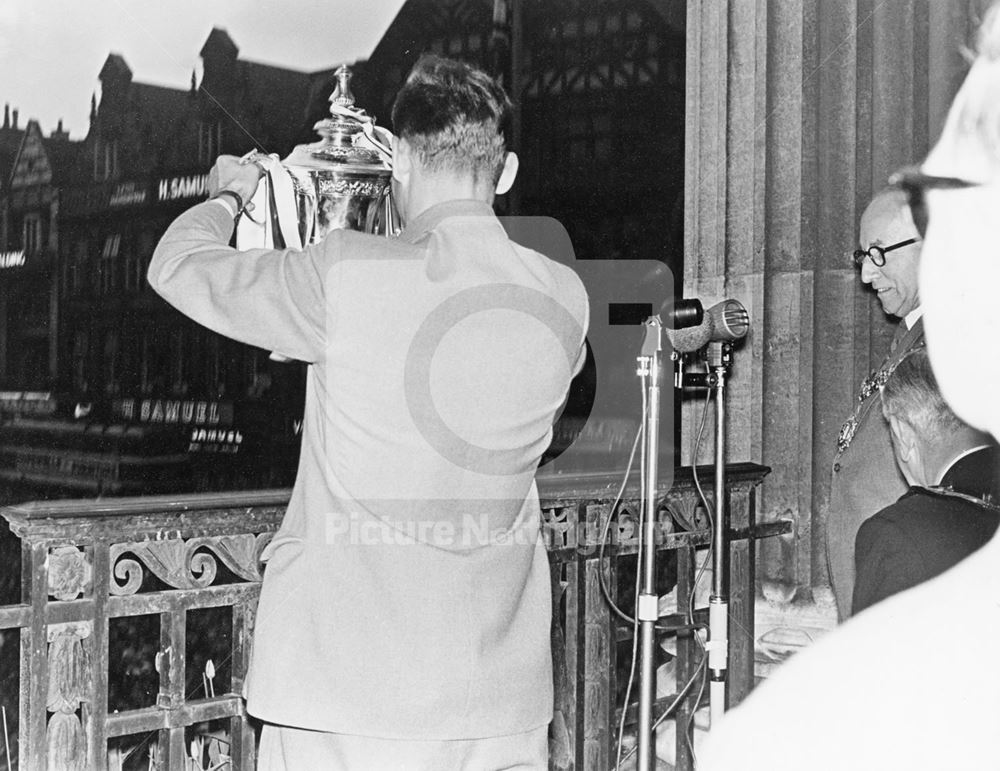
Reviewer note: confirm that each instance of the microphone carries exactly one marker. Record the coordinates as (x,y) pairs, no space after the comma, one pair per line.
(726,320)
(729,319)
(679,314)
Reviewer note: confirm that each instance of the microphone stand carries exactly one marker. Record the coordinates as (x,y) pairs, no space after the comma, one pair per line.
(719,358)
(647,606)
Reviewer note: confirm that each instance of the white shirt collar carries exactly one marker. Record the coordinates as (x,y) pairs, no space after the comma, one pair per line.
(913,317)
(957,458)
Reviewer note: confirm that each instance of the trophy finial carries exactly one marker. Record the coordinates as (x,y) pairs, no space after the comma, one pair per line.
(342,132)
(342,95)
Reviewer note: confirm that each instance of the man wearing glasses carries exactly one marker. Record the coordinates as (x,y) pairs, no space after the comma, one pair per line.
(926,717)
(865,476)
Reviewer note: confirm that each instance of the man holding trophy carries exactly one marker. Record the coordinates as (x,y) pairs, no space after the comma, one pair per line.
(404,616)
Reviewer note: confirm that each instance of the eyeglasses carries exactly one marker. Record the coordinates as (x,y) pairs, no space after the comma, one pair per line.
(877,253)
(915,183)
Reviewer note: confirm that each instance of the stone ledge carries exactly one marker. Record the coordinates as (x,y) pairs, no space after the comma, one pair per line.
(784,626)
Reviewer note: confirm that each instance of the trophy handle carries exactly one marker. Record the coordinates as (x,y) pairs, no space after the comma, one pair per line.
(308,212)
(382,216)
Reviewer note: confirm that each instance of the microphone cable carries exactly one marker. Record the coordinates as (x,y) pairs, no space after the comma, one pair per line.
(638,563)
(699,669)
(710,514)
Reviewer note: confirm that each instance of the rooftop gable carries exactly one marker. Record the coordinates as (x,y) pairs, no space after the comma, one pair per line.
(115,68)
(31,165)
(219,44)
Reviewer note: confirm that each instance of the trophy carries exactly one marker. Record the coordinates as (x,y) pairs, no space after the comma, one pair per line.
(343,180)
(340,182)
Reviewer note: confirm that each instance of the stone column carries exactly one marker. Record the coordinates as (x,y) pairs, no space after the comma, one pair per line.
(797,111)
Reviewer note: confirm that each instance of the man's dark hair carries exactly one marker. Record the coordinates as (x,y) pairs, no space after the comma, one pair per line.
(912,396)
(454,116)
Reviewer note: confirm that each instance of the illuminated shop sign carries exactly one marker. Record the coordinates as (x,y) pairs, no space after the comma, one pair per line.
(11,259)
(215,440)
(65,465)
(128,194)
(27,402)
(174,411)
(173,188)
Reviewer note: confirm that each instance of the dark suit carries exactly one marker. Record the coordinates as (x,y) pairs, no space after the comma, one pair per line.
(928,530)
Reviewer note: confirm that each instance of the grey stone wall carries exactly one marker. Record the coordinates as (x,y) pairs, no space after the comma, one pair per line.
(797,111)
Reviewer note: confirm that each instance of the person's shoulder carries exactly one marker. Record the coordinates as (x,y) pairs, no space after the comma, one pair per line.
(567,277)
(561,279)
(913,506)
(915,499)
(916,514)
(344,244)
(883,527)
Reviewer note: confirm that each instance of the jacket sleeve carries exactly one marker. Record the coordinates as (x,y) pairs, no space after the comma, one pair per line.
(884,563)
(270,298)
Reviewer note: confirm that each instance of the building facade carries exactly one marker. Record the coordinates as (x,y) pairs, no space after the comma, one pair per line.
(598,88)
(185,407)
(29,243)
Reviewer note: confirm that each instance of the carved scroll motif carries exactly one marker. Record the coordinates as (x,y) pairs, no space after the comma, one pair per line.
(190,564)
(687,511)
(625,527)
(69,684)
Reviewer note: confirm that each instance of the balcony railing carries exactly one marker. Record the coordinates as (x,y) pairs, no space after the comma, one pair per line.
(87,563)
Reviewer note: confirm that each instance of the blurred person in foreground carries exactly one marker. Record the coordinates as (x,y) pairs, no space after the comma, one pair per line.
(865,476)
(913,682)
(404,616)
(950,509)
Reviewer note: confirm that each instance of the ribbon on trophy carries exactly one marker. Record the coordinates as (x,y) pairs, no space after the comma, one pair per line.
(277,222)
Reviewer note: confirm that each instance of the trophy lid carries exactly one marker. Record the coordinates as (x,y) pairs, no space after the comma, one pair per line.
(343,144)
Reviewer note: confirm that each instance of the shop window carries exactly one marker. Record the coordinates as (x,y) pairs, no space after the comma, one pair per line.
(134,270)
(143,252)
(154,366)
(109,256)
(105,160)
(135,260)
(128,358)
(80,349)
(214,365)
(31,235)
(74,267)
(179,363)
(110,363)
(209,141)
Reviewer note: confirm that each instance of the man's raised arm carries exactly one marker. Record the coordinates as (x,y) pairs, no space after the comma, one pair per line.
(265,297)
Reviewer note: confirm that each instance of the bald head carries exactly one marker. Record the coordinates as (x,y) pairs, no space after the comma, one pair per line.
(889,206)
